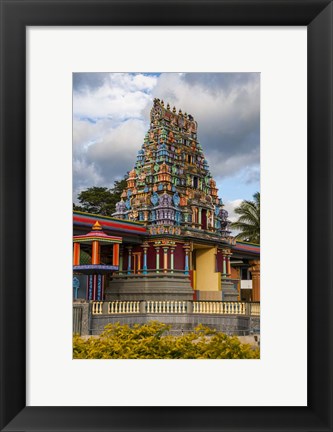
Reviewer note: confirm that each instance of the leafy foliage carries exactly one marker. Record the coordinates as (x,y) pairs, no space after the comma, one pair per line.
(151,341)
(248,222)
(101,200)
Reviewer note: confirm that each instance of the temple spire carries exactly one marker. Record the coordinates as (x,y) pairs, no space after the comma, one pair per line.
(171,184)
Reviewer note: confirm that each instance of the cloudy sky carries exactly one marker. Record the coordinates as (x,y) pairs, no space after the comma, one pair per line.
(111,117)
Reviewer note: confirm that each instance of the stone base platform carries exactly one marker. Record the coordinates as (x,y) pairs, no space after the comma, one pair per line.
(157,286)
(229,291)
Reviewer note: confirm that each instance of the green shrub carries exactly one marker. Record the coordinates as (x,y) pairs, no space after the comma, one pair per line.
(151,341)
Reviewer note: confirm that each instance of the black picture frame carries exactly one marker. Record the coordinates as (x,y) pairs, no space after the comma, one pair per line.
(15,17)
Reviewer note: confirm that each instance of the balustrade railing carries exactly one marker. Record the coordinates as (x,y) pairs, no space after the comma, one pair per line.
(254,309)
(176,307)
(223,308)
(97,308)
(118,307)
(166,307)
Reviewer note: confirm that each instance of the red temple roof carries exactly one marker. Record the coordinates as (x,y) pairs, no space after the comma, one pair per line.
(96,234)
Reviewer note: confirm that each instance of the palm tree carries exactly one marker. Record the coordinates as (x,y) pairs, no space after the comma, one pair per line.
(248,222)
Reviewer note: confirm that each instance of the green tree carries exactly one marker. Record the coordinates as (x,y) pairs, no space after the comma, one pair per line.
(101,200)
(119,186)
(152,341)
(248,222)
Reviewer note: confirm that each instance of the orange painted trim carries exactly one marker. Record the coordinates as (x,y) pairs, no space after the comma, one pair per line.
(165,260)
(139,263)
(76,254)
(115,257)
(95,257)
(228,266)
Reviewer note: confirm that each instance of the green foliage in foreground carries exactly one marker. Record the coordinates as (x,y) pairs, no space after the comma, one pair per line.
(149,341)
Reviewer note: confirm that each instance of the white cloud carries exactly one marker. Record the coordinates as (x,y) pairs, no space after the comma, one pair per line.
(85,175)
(121,96)
(230,207)
(118,148)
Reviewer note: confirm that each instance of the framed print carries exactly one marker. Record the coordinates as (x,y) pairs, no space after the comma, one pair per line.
(42,387)
(283,45)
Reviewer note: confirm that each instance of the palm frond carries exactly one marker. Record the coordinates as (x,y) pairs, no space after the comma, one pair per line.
(248,222)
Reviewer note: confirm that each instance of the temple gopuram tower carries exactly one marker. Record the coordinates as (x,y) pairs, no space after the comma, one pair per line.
(171,191)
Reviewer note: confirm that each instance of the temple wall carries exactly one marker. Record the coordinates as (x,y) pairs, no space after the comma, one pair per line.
(82,291)
(219,262)
(151,257)
(125,258)
(81,317)
(179,257)
(207,279)
(235,273)
(209,296)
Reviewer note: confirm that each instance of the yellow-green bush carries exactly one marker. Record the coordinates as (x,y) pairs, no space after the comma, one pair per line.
(150,341)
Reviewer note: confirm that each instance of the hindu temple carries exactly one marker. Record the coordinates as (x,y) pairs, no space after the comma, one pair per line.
(170,232)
